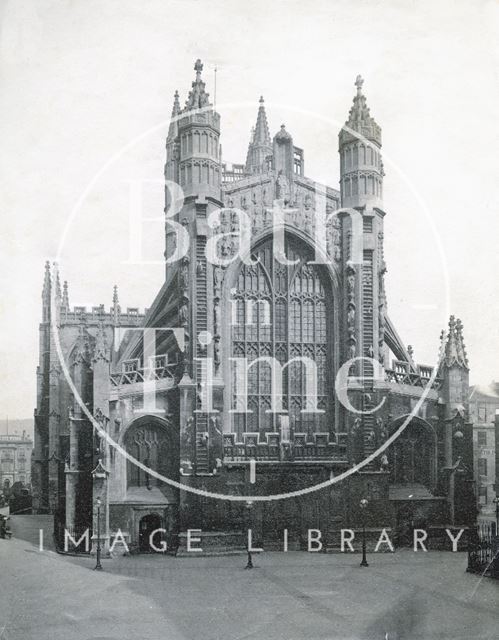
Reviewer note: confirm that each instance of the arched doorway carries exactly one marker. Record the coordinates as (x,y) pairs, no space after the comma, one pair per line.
(149,523)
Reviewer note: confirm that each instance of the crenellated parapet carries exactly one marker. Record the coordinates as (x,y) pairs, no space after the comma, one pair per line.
(94,316)
(271,448)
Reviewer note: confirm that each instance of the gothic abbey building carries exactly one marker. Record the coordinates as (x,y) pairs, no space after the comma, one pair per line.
(296,297)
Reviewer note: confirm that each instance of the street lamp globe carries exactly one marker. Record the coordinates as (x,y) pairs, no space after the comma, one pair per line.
(98,502)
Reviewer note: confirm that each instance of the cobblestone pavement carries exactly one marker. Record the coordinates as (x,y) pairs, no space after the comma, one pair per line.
(293,596)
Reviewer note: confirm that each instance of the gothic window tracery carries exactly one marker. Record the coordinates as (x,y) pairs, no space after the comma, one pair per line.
(150,445)
(297,300)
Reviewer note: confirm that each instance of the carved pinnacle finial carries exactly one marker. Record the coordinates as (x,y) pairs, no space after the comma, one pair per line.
(359,81)
(65,295)
(58,293)
(176,104)
(198,67)
(116,309)
(46,285)
(260,144)
(101,350)
(460,343)
(46,278)
(455,353)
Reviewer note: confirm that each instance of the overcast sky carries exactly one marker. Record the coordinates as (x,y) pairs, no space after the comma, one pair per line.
(85,84)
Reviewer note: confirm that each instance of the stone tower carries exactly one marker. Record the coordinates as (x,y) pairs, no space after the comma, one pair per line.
(457,431)
(193,160)
(454,372)
(361,177)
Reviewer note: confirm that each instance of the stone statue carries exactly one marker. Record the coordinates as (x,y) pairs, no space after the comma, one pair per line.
(282,187)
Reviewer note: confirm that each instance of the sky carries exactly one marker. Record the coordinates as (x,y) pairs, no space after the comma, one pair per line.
(86,90)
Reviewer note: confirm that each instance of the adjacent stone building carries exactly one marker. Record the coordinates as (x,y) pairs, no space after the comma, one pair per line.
(484,404)
(15,459)
(309,288)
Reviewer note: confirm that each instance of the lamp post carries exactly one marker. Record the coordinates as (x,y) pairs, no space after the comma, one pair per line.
(98,566)
(249,564)
(363,507)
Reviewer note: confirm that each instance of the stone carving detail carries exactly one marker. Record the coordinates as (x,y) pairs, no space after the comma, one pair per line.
(82,348)
(382,431)
(200,268)
(183,312)
(351,284)
(333,237)
(349,246)
(308,221)
(351,309)
(283,191)
(297,210)
(218,276)
(101,351)
(382,300)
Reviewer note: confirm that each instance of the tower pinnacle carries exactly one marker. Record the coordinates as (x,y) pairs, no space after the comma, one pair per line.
(65,295)
(361,164)
(46,282)
(198,67)
(176,104)
(173,128)
(116,309)
(198,97)
(58,291)
(260,145)
(454,351)
(359,81)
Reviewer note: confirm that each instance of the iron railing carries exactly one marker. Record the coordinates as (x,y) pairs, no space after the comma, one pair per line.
(483,551)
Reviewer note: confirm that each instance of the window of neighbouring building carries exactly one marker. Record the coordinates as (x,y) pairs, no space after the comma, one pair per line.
(482,412)
(482,495)
(482,438)
(482,466)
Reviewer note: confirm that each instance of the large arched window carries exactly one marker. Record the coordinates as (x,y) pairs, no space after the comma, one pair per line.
(281,311)
(149,443)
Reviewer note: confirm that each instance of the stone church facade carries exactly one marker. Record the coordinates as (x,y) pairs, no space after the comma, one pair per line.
(311,292)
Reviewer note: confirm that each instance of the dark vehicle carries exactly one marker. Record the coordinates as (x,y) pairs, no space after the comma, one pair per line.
(20,501)
(5,531)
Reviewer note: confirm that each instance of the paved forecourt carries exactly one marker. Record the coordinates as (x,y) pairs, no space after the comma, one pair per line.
(288,596)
